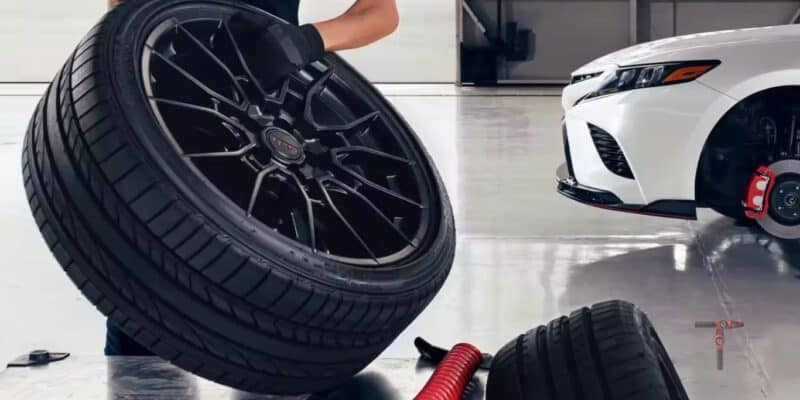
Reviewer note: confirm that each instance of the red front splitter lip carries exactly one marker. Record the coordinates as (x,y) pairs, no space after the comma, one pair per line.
(569,187)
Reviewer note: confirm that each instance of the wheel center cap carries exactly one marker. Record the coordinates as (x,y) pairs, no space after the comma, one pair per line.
(791,200)
(284,146)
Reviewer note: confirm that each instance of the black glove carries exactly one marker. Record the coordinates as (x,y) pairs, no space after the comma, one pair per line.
(275,49)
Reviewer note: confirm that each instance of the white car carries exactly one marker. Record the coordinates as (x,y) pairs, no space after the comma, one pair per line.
(703,120)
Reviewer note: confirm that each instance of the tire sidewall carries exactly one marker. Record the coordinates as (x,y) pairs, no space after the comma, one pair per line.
(123,54)
(658,351)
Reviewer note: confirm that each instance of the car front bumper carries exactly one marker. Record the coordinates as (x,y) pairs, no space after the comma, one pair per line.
(638,151)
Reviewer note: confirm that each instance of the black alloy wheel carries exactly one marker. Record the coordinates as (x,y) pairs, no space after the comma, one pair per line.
(305,159)
(272,239)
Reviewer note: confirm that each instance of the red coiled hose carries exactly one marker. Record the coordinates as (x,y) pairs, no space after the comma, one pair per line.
(453,374)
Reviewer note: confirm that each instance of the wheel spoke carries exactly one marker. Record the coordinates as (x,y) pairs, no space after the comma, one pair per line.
(222,154)
(280,97)
(214,58)
(344,220)
(359,124)
(316,88)
(295,226)
(379,188)
(372,205)
(242,60)
(257,187)
(363,149)
(211,92)
(207,110)
(309,205)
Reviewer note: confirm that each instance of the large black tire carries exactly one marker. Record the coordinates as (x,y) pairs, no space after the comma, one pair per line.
(607,352)
(181,269)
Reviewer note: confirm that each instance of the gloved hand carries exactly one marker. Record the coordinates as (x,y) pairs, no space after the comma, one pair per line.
(276,49)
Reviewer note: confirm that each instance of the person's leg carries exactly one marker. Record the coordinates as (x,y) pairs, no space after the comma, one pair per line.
(120,344)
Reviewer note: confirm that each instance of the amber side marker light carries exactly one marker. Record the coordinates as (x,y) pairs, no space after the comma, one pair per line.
(687,73)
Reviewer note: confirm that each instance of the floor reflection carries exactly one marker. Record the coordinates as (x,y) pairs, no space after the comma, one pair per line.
(148,377)
(153,378)
(365,386)
(369,385)
(756,278)
(722,237)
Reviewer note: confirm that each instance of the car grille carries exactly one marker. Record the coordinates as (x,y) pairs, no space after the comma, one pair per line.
(566,150)
(610,152)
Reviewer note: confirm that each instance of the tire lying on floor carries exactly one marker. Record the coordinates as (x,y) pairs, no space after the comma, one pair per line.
(610,351)
(275,240)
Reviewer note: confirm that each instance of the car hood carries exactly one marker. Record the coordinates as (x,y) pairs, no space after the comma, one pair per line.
(692,47)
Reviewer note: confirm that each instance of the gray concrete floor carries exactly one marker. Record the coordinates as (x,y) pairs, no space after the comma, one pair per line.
(525,255)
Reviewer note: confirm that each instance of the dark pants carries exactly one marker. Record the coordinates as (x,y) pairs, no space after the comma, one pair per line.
(120,344)
(117,342)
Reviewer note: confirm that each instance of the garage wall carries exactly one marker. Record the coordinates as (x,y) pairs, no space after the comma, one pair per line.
(36,37)
(685,17)
(570,33)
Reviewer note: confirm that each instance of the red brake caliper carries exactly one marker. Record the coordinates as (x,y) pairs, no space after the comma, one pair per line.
(756,203)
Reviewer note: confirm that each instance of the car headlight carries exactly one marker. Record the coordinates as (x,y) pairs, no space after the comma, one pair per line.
(652,75)
(584,77)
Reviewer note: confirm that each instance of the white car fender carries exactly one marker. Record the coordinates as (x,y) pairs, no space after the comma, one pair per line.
(759,83)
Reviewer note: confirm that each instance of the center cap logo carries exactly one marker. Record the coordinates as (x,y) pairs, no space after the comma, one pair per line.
(284,146)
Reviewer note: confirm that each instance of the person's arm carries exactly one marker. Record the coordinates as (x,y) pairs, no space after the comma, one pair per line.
(279,49)
(367,21)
